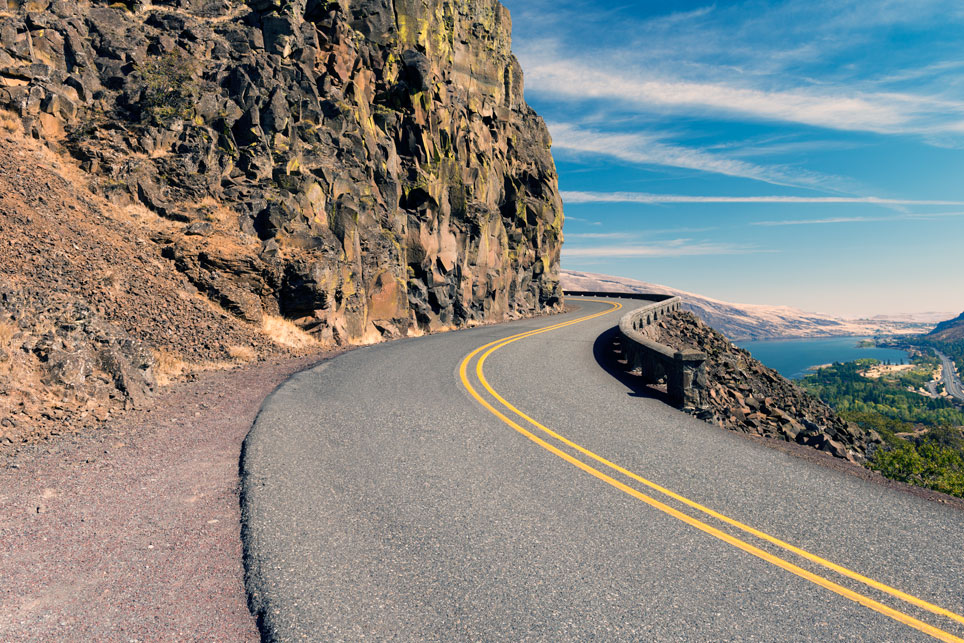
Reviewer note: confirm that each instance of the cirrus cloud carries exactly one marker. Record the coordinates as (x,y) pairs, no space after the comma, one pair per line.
(674,248)
(645,197)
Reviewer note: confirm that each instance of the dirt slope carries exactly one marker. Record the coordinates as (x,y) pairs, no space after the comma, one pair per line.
(92,316)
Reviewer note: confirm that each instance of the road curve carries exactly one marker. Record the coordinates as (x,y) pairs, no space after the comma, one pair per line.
(426,490)
(952,384)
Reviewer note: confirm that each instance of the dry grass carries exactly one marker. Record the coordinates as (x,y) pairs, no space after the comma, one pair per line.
(62,164)
(242,353)
(10,122)
(138,212)
(8,330)
(207,202)
(231,15)
(212,210)
(283,332)
(168,366)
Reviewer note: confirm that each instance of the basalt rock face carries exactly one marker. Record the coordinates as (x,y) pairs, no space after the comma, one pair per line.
(742,394)
(379,153)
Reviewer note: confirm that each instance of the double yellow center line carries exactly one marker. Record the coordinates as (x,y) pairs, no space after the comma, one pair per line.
(866,601)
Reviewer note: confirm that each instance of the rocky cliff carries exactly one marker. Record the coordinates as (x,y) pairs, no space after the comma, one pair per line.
(367,168)
(180,180)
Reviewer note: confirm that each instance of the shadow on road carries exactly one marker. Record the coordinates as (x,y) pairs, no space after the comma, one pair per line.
(607,353)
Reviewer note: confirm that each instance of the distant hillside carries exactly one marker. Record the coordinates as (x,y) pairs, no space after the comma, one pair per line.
(951,330)
(748,321)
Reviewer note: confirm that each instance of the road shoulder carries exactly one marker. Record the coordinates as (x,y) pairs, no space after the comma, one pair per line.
(133,532)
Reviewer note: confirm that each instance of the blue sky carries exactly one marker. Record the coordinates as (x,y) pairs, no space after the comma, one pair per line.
(807,153)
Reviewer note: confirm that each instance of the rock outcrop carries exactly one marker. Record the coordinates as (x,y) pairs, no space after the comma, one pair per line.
(740,393)
(55,343)
(367,168)
(92,317)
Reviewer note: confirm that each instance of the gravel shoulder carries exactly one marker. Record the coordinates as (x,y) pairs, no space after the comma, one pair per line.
(132,533)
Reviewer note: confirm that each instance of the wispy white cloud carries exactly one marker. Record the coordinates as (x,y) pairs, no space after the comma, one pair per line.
(645,197)
(914,74)
(791,61)
(778,146)
(933,215)
(833,107)
(676,248)
(830,220)
(600,235)
(582,220)
(642,148)
(794,222)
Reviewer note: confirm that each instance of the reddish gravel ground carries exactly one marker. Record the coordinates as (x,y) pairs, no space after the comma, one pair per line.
(132,533)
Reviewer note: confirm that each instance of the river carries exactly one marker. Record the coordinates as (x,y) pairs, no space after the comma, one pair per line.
(792,357)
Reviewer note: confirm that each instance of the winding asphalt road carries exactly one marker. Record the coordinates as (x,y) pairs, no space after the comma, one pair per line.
(393,493)
(951,382)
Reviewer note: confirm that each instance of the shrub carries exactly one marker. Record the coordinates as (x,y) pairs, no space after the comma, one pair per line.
(927,465)
(170,88)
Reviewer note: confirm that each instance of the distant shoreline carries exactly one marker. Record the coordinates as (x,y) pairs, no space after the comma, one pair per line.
(797,357)
(817,367)
(789,338)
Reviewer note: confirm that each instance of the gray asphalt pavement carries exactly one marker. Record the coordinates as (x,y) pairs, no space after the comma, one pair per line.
(952,384)
(382,501)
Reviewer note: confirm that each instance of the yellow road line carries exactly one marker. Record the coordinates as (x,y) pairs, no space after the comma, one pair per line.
(698,524)
(909,598)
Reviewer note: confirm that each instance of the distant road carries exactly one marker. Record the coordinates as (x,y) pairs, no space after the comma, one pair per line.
(952,382)
(498,484)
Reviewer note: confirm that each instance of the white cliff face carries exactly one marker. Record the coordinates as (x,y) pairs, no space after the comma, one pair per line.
(748,321)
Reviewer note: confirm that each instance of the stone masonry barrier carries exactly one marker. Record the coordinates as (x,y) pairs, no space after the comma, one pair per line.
(684,371)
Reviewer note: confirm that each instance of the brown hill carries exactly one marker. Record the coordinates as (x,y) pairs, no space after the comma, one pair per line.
(751,321)
(951,330)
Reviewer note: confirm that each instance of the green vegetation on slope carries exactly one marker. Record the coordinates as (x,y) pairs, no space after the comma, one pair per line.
(923,442)
(947,337)
(954,350)
(935,461)
(846,390)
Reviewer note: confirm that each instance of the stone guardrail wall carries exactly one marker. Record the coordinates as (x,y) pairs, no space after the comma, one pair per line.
(684,371)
